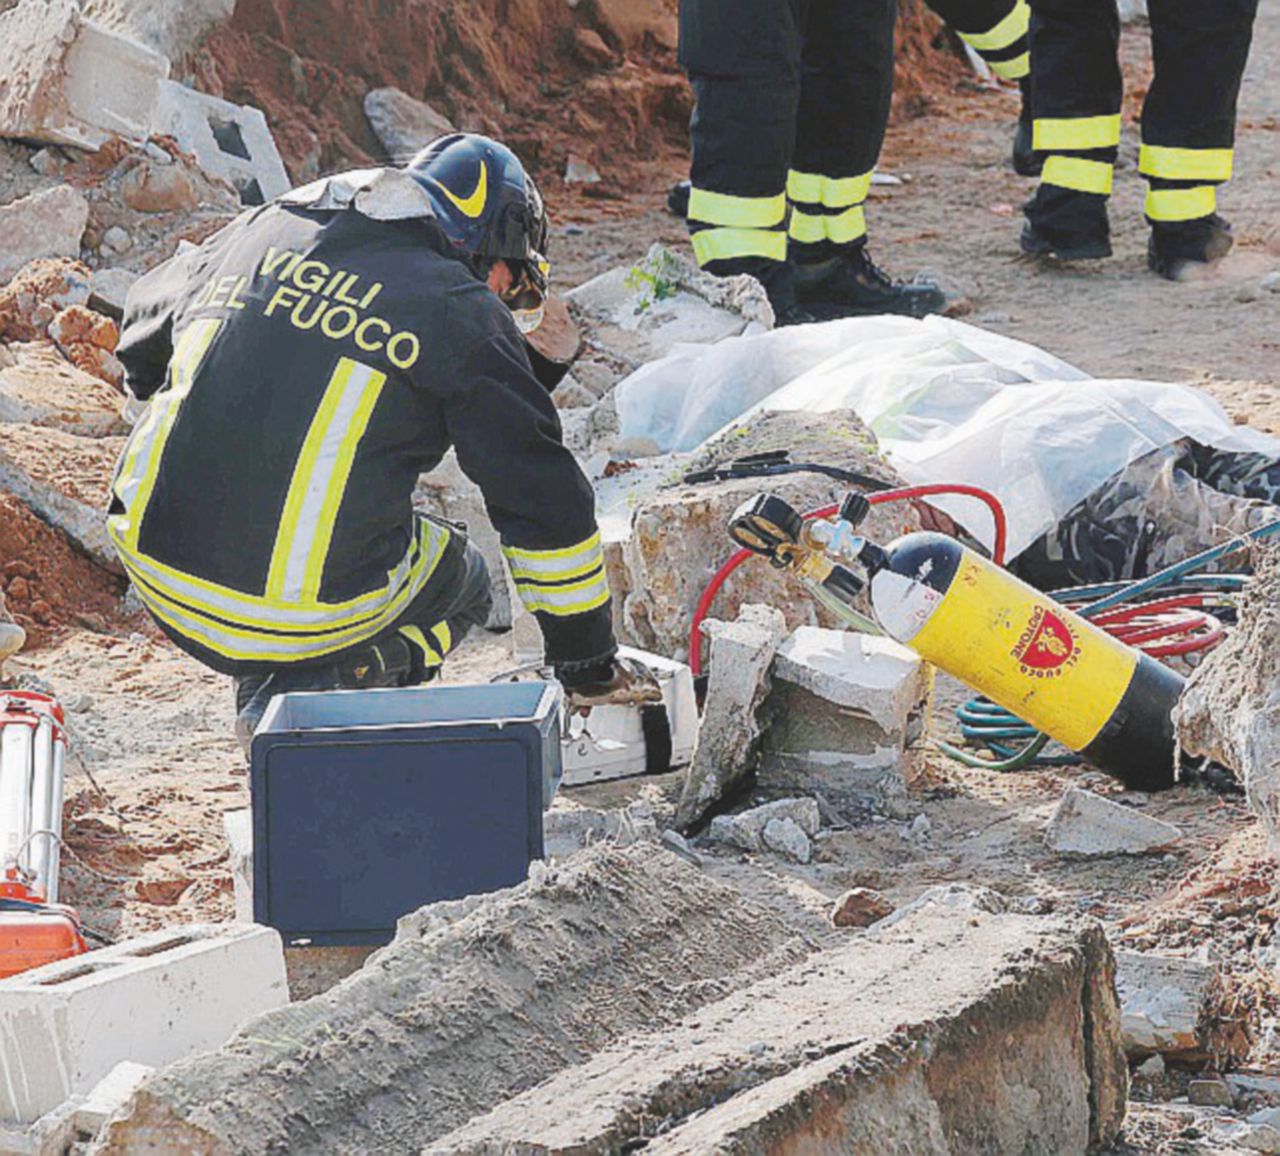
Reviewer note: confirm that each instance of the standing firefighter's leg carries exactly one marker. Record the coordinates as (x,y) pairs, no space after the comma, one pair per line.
(845,95)
(1076,90)
(1188,126)
(743,60)
(437,632)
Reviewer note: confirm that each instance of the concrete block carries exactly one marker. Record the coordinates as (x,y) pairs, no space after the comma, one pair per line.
(993,1033)
(473,1002)
(238,827)
(69,81)
(175,28)
(1166,1004)
(232,142)
(45,224)
(841,712)
(42,388)
(110,290)
(1087,826)
(108,1094)
(152,1000)
(741,653)
(403,125)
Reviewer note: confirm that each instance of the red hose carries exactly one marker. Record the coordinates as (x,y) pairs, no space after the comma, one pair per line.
(903,494)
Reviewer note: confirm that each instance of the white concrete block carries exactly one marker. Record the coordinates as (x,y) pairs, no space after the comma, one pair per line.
(152,1000)
(1085,825)
(231,141)
(111,83)
(108,1094)
(1165,1003)
(238,826)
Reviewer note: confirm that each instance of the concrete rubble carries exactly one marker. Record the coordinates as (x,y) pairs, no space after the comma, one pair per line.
(1230,712)
(1167,1005)
(741,653)
(998,1033)
(860,907)
(472,1003)
(402,124)
(47,224)
(843,711)
(785,827)
(1087,826)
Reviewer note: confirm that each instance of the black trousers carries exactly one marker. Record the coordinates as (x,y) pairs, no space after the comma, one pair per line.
(996,29)
(792,101)
(1188,118)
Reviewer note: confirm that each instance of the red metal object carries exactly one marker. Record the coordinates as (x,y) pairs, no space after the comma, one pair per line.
(32,932)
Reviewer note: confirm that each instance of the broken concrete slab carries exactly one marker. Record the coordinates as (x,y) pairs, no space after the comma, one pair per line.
(402,124)
(746,829)
(173,29)
(45,224)
(65,80)
(1167,1005)
(1087,826)
(110,289)
(1230,712)
(842,711)
(678,536)
(639,313)
(741,653)
(64,479)
(472,1003)
(42,388)
(152,1000)
(998,1033)
(231,142)
(109,1093)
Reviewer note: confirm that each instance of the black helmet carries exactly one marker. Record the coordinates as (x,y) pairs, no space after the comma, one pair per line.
(489,206)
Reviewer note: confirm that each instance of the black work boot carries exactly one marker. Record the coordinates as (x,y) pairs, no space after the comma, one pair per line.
(678,199)
(1176,248)
(1036,243)
(1066,224)
(853,285)
(1026,161)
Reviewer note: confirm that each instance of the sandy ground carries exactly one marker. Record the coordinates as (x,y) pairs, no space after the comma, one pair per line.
(154,729)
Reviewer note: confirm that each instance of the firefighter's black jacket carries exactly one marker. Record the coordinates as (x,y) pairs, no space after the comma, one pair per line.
(305,365)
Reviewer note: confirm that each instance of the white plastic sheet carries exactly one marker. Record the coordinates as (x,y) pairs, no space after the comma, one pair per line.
(947,402)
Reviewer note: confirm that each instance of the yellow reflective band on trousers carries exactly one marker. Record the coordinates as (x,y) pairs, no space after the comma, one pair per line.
(739,212)
(829,192)
(1076,134)
(1081,175)
(1185,164)
(1014,69)
(142,456)
(1014,25)
(1182,204)
(275,634)
(319,481)
(808,229)
(730,244)
(434,651)
(560,582)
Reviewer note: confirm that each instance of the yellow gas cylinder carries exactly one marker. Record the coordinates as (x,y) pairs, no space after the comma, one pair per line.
(1105,700)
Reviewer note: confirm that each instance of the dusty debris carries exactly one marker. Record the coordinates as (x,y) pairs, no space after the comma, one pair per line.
(46,224)
(402,124)
(1167,1004)
(741,652)
(1086,826)
(860,907)
(473,1001)
(994,1034)
(38,293)
(1230,712)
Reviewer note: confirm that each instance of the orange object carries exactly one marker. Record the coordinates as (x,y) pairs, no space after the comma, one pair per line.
(33,933)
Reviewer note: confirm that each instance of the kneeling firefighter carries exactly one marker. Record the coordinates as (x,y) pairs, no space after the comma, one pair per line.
(305,365)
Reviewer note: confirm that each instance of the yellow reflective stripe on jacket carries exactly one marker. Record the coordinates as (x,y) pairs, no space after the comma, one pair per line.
(830,192)
(1182,204)
(270,641)
(1075,173)
(437,649)
(567,600)
(252,610)
(1185,164)
(841,228)
(739,212)
(141,466)
(320,480)
(1013,69)
(727,244)
(1014,25)
(1076,133)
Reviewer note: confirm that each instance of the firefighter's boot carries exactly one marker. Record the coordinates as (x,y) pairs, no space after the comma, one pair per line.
(1175,249)
(852,285)
(1026,161)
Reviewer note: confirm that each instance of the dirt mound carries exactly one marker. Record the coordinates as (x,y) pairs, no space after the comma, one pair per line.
(46,583)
